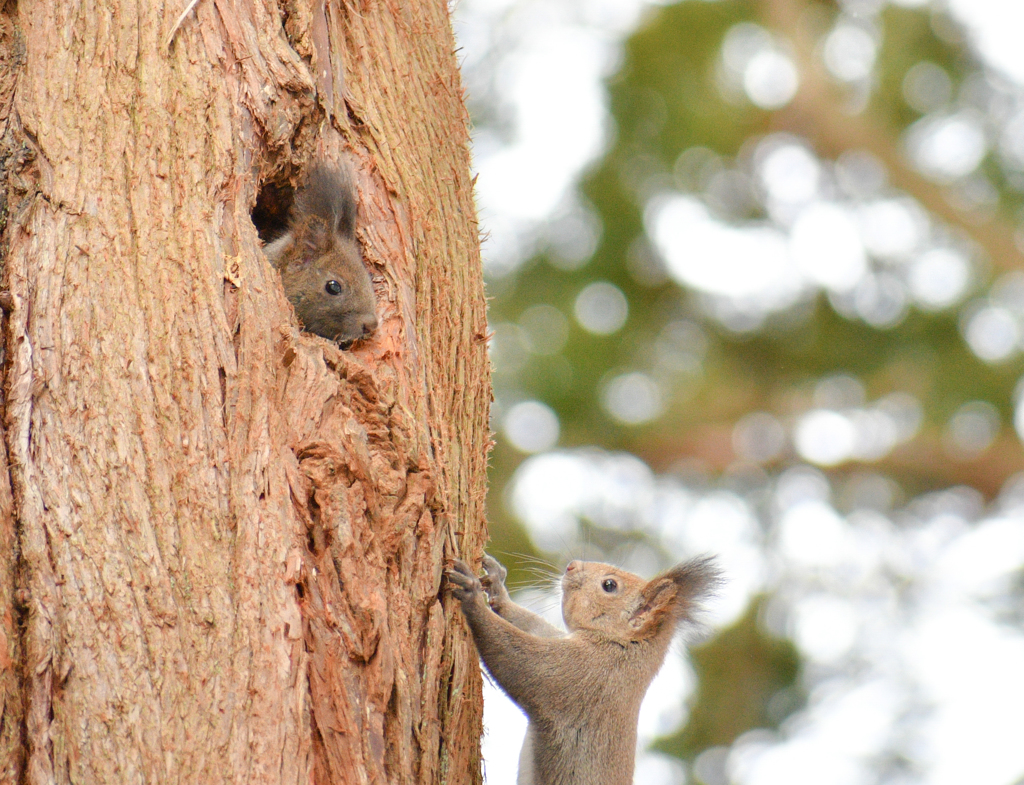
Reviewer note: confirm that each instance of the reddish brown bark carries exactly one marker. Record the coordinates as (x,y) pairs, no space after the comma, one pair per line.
(221,539)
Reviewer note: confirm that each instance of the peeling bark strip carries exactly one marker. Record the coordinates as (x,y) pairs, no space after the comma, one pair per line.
(221,540)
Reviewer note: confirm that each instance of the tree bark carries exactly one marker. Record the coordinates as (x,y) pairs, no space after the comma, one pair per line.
(221,539)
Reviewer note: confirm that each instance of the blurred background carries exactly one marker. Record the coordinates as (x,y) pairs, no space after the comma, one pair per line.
(758,290)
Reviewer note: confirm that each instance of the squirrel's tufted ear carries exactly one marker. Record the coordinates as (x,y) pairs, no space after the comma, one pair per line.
(330,193)
(313,237)
(657,599)
(696,580)
(676,594)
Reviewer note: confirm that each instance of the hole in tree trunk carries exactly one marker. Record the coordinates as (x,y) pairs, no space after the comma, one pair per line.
(270,215)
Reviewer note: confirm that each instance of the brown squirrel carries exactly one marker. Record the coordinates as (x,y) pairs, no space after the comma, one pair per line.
(582,690)
(320,262)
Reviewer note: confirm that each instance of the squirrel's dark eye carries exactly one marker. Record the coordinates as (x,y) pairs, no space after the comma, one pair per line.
(332,287)
(609,585)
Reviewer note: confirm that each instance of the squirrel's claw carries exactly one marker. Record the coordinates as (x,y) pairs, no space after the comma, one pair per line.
(464,582)
(496,573)
(493,581)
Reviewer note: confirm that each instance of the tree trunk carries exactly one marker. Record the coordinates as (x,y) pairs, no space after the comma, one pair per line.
(221,539)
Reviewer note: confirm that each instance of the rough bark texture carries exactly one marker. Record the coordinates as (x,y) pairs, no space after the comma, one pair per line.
(221,540)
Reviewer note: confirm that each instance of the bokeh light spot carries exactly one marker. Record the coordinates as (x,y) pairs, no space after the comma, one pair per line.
(825,437)
(788,172)
(770,79)
(572,238)
(839,391)
(758,437)
(927,87)
(811,532)
(972,428)
(859,173)
(824,626)
(632,398)
(601,308)
(827,247)
(750,268)
(992,333)
(681,346)
(939,278)
(546,329)
(880,300)
(946,147)
(850,52)
(654,768)
(892,228)
(531,426)
(509,348)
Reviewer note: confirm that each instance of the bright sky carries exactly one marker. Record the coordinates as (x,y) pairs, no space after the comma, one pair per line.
(899,613)
(995,25)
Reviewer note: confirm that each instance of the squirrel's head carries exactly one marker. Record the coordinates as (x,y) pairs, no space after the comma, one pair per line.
(321,266)
(325,279)
(624,607)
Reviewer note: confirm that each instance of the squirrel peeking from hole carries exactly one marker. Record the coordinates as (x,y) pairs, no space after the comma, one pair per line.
(321,266)
(581,690)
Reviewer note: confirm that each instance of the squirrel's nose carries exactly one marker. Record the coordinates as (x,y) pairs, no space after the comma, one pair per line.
(369,324)
(573,565)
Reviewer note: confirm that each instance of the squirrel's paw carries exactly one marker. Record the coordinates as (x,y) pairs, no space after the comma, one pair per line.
(465,585)
(493,580)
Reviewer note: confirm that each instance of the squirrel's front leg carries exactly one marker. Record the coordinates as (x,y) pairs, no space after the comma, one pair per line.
(501,603)
(518,661)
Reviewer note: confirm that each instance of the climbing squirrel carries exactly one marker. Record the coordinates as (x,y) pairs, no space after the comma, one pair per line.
(582,690)
(320,262)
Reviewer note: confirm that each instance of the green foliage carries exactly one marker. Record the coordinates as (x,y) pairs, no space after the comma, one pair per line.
(910,39)
(666,102)
(747,680)
(664,99)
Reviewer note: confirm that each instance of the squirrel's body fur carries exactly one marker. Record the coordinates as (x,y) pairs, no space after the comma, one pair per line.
(582,690)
